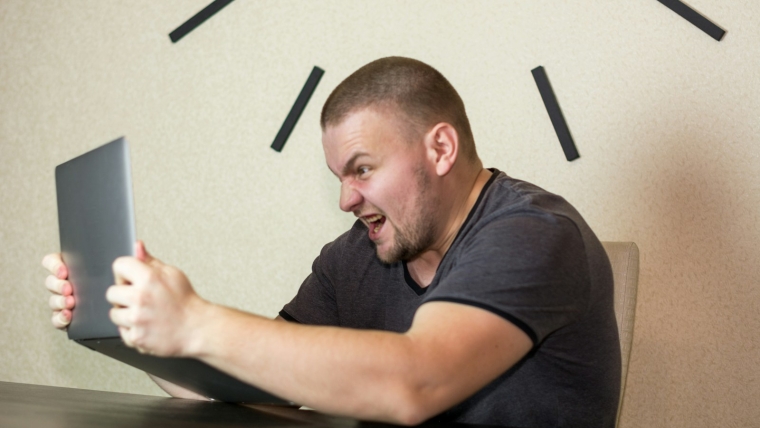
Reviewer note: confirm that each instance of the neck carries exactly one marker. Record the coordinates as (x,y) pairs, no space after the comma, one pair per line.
(423,267)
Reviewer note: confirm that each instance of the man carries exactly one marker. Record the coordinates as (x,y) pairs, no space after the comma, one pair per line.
(459,294)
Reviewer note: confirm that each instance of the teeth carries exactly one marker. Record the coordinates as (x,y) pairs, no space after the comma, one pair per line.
(373,219)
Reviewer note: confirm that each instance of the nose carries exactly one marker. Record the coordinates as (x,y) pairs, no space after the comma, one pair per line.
(350,198)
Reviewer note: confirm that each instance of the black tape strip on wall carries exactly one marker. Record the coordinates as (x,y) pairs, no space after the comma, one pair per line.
(297,109)
(695,18)
(555,114)
(198,19)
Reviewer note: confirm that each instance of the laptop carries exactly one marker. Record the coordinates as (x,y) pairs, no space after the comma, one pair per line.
(96,224)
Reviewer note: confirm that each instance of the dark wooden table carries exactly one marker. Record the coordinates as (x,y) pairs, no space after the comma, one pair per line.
(38,406)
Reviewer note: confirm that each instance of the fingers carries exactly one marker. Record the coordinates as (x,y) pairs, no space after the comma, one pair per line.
(62,302)
(120,295)
(121,317)
(58,286)
(54,263)
(125,336)
(131,338)
(59,303)
(129,270)
(128,336)
(61,319)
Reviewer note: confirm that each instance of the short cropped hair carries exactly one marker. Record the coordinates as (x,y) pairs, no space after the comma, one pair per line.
(418,92)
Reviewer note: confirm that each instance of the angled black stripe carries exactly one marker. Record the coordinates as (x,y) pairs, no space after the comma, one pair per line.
(297,109)
(695,18)
(198,19)
(555,114)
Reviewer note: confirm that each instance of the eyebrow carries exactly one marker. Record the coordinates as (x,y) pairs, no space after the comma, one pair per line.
(351,161)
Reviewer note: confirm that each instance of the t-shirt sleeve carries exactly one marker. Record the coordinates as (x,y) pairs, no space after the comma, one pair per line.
(315,301)
(529,269)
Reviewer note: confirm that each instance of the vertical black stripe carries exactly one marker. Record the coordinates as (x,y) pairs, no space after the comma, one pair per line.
(297,109)
(695,18)
(198,19)
(555,114)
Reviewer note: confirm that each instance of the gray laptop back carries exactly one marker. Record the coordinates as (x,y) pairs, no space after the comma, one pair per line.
(96,220)
(96,224)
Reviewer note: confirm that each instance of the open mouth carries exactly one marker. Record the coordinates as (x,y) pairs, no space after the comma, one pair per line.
(375,223)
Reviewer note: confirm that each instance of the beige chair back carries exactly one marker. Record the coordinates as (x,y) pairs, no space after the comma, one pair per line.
(624,257)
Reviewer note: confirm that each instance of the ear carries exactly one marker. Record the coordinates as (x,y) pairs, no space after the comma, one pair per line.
(442,145)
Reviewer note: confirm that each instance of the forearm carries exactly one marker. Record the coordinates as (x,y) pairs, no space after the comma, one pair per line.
(450,351)
(365,374)
(175,390)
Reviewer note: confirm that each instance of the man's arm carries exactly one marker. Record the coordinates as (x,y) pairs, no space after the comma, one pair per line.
(177,391)
(450,352)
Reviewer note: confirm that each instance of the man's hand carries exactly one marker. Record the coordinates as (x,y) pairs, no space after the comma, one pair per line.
(62,303)
(155,306)
(62,300)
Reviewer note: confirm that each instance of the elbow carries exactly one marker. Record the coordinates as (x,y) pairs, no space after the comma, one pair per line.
(414,392)
(410,416)
(412,406)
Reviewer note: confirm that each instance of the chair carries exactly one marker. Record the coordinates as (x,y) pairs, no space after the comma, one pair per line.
(624,257)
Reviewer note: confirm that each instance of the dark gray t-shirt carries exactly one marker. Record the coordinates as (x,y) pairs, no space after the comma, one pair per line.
(524,254)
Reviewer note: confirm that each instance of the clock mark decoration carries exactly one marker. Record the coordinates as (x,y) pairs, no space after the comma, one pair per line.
(555,113)
(198,19)
(297,109)
(539,75)
(695,18)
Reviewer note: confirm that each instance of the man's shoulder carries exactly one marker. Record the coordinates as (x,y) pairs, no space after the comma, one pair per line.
(510,200)
(509,194)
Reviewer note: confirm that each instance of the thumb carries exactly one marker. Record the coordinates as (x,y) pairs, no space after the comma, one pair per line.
(141,253)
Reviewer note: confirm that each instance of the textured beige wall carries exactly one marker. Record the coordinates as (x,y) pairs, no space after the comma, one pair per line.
(665,118)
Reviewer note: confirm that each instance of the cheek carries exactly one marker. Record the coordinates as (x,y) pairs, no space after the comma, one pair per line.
(393,192)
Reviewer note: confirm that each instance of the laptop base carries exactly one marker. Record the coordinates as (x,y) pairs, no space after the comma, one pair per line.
(188,373)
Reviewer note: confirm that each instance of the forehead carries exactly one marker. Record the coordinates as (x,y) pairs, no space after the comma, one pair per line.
(370,131)
(362,120)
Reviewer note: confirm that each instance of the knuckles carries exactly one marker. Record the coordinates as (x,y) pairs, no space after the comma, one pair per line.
(152,278)
(143,297)
(134,317)
(142,325)
(138,338)
(57,321)
(54,284)
(57,302)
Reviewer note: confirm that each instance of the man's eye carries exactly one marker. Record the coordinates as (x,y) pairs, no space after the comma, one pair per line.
(362,170)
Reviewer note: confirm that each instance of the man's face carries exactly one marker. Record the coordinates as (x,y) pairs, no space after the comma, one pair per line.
(384,182)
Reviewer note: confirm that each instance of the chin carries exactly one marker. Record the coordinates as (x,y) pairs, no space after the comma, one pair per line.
(386,256)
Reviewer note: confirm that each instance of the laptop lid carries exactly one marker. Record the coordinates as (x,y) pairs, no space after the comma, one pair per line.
(96,226)
(96,222)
